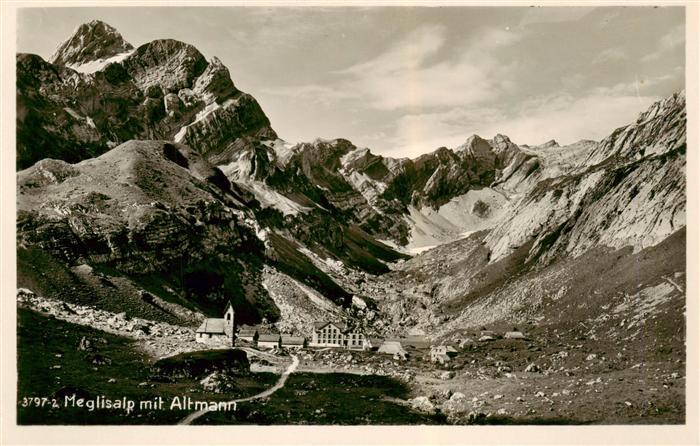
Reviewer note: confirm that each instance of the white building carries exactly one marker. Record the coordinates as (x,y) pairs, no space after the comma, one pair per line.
(328,334)
(217,331)
(337,334)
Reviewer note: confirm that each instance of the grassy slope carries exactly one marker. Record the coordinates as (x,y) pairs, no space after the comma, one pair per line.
(47,276)
(333,398)
(143,228)
(40,339)
(339,398)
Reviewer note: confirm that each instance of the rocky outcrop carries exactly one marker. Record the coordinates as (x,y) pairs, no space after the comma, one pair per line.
(216,194)
(658,130)
(164,89)
(631,194)
(157,339)
(167,65)
(90,42)
(143,210)
(219,131)
(581,239)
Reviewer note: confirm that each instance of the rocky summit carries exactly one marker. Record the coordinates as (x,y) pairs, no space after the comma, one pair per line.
(164,89)
(91,42)
(149,186)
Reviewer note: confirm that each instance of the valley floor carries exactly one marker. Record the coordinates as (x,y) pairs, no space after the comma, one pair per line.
(575,382)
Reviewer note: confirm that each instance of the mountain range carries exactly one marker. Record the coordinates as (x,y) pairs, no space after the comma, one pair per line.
(147,169)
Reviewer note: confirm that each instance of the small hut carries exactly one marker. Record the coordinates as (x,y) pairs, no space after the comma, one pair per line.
(293,342)
(393,348)
(248,333)
(442,353)
(269,341)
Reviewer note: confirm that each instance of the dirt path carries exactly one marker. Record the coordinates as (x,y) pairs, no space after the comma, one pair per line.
(326,370)
(260,354)
(278,385)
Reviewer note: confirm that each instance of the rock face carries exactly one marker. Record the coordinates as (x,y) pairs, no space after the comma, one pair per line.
(164,89)
(630,191)
(216,194)
(379,194)
(581,228)
(90,42)
(148,208)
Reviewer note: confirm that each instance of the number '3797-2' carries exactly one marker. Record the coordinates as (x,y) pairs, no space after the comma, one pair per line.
(39,402)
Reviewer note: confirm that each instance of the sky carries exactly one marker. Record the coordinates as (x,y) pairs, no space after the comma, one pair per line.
(406,80)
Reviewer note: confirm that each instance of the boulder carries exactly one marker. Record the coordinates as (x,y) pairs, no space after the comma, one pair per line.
(84,344)
(447,375)
(171,101)
(532,368)
(514,335)
(458,396)
(422,403)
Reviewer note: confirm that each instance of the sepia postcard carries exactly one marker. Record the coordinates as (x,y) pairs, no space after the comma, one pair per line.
(422,221)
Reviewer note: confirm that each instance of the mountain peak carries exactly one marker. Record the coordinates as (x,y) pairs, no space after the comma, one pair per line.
(549,144)
(472,139)
(474,145)
(92,41)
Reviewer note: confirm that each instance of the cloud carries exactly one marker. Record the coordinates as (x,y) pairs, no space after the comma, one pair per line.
(574,81)
(284,27)
(409,54)
(569,119)
(643,85)
(668,42)
(610,55)
(408,76)
(438,84)
(423,132)
(318,94)
(563,117)
(415,73)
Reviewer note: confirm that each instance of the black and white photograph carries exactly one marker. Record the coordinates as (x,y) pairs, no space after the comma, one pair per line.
(365,215)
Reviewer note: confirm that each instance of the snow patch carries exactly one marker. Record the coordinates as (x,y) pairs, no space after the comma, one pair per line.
(88,120)
(353,156)
(358,302)
(240,168)
(283,150)
(99,64)
(209,109)
(474,211)
(336,265)
(393,245)
(416,251)
(369,188)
